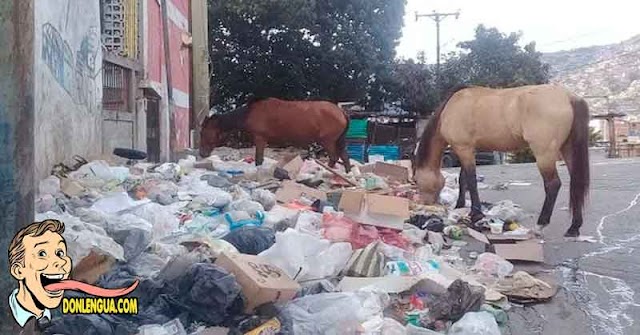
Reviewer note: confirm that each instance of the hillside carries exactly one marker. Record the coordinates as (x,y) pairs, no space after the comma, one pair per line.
(612,70)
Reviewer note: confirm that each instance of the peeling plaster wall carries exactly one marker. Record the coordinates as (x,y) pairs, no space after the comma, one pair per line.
(68,82)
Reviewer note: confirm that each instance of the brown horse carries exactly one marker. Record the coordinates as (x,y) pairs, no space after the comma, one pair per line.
(273,120)
(549,119)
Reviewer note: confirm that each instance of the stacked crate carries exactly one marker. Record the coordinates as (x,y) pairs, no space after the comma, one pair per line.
(357,139)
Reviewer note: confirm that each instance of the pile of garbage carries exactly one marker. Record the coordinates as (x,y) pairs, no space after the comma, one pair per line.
(221,246)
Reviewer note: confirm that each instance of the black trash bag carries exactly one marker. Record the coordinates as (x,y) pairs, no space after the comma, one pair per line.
(72,324)
(210,294)
(459,299)
(251,240)
(431,222)
(281,174)
(134,241)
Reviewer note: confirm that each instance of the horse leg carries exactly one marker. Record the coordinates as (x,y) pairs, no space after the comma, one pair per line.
(462,180)
(468,161)
(261,143)
(332,152)
(552,186)
(576,213)
(345,160)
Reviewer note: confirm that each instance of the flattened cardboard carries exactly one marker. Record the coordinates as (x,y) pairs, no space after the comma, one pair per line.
(502,237)
(376,210)
(70,188)
(391,171)
(90,268)
(294,166)
(291,190)
(261,282)
(478,235)
(407,164)
(530,250)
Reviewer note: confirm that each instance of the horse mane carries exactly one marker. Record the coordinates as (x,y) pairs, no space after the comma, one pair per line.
(424,148)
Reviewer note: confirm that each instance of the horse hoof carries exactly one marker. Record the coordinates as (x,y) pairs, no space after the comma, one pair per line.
(537,231)
(459,206)
(572,233)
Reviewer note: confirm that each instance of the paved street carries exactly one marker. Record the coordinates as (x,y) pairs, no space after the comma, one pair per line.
(598,280)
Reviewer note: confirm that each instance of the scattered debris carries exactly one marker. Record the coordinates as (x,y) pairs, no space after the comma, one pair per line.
(291,246)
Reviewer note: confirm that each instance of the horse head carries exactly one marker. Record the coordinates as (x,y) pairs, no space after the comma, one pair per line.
(430,184)
(210,135)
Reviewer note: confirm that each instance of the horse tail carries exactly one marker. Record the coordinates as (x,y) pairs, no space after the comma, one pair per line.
(341,143)
(579,152)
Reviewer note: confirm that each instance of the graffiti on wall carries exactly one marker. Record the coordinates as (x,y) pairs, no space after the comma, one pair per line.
(75,72)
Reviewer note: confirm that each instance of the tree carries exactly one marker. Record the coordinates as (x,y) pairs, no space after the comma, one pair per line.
(414,86)
(299,49)
(494,59)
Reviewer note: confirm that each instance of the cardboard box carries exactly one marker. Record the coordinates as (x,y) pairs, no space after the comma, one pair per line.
(391,171)
(294,166)
(261,282)
(530,250)
(90,268)
(376,210)
(291,190)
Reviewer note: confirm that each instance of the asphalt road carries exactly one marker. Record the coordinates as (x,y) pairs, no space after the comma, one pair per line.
(598,280)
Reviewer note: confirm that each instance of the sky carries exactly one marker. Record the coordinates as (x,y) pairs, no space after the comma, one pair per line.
(553,24)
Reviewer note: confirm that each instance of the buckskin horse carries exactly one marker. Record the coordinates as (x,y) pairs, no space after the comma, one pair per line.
(271,120)
(552,121)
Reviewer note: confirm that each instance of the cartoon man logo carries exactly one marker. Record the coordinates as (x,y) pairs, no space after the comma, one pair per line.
(38,260)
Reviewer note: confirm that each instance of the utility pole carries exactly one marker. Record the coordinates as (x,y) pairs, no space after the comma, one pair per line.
(438,17)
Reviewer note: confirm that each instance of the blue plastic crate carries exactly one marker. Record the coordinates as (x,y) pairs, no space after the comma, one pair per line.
(390,152)
(356,151)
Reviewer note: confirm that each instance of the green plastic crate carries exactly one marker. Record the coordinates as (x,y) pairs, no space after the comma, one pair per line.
(357,129)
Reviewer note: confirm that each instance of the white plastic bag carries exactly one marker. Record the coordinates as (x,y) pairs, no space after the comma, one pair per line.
(117,202)
(280,218)
(83,237)
(266,198)
(245,205)
(493,265)
(337,313)
(314,258)
(214,198)
(448,196)
(187,165)
(506,210)
(49,185)
(169,170)
(475,323)
(310,223)
(163,220)
(98,169)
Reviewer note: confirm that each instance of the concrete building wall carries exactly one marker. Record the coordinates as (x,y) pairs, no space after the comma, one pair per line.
(68,82)
(180,67)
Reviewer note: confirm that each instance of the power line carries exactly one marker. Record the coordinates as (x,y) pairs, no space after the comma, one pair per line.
(438,17)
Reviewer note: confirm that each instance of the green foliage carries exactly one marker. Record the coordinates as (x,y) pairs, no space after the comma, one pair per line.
(491,59)
(296,49)
(414,86)
(594,136)
(495,59)
(522,156)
